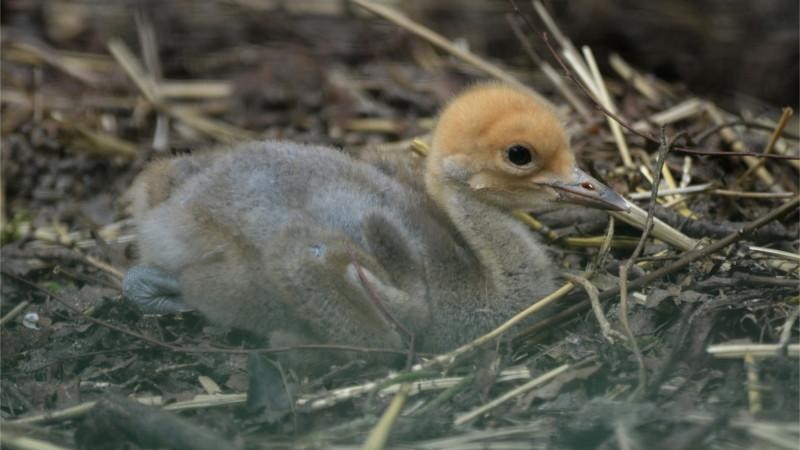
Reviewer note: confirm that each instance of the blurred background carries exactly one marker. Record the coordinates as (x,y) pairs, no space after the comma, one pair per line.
(729,49)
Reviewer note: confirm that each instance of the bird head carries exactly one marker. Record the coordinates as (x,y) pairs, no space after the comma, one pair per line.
(509,148)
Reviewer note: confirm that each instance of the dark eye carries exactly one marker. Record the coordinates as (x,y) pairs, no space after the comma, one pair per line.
(519,155)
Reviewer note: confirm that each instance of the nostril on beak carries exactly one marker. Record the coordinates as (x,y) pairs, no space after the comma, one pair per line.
(587,185)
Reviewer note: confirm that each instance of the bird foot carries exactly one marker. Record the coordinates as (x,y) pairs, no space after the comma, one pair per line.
(153,291)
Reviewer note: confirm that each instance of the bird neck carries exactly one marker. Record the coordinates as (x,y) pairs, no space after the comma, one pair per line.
(504,247)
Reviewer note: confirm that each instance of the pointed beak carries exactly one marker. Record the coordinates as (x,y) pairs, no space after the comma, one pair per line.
(585,190)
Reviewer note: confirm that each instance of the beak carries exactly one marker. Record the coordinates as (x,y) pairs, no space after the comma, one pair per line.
(587,191)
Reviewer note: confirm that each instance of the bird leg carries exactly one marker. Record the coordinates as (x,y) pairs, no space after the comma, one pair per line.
(153,291)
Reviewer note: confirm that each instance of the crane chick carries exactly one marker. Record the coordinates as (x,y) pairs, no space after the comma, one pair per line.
(302,244)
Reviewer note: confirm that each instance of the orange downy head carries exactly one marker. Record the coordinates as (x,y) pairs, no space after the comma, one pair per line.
(509,147)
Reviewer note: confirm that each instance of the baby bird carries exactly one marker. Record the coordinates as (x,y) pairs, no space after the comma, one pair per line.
(304,245)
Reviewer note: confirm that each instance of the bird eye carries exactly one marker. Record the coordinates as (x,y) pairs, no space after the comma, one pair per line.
(519,155)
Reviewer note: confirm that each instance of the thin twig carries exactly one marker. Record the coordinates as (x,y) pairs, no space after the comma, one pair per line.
(605,248)
(705,134)
(596,263)
(756,350)
(101,142)
(708,188)
(740,194)
(625,268)
(148,43)
(677,200)
(696,189)
(519,390)
(445,395)
(637,217)
(44,52)
(777,253)
(14,312)
(380,433)
(107,268)
(535,225)
(773,138)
